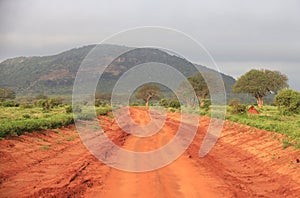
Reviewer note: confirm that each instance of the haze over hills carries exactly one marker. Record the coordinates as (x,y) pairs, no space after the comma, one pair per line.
(54,75)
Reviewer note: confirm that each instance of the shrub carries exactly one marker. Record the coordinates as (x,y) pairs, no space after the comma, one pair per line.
(163,102)
(48,104)
(288,101)
(10,103)
(103,111)
(134,104)
(76,109)
(18,127)
(26,116)
(68,109)
(239,109)
(172,109)
(85,116)
(26,105)
(98,103)
(174,104)
(206,104)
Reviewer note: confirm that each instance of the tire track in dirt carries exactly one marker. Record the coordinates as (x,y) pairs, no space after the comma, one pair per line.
(179,179)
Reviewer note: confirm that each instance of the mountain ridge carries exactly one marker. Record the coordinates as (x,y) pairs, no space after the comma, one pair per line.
(55,74)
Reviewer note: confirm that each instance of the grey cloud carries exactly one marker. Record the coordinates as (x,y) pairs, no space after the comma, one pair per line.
(235,32)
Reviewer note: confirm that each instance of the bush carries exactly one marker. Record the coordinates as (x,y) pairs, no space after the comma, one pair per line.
(103,111)
(288,101)
(10,103)
(132,104)
(26,105)
(164,103)
(172,109)
(98,103)
(26,116)
(206,104)
(68,109)
(48,104)
(174,104)
(239,109)
(18,127)
(85,116)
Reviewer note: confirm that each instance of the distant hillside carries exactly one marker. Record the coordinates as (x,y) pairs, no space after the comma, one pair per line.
(54,75)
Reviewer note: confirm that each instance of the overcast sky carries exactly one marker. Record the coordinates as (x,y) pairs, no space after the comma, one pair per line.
(240,35)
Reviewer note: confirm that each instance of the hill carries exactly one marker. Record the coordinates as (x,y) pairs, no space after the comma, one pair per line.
(54,75)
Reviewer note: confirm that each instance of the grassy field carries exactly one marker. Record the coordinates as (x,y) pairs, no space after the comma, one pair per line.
(270,119)
(17,120)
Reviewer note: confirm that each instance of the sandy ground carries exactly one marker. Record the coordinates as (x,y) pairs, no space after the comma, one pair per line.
(245,162)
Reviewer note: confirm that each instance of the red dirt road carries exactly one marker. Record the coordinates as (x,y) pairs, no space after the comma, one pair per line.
(245,162)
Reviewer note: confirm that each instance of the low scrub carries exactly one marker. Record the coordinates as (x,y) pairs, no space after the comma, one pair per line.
(18,127)
(102,111)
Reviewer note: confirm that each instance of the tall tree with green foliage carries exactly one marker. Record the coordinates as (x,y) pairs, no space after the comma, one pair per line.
(259,83)
(6,93)
(288,101)
(200,87)
(147,92)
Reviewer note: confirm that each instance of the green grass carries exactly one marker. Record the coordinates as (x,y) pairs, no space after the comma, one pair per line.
(270,119)
(17,120)
(13,121)
(101,111)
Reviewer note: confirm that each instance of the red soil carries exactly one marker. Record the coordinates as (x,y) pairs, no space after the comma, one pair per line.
(245,162)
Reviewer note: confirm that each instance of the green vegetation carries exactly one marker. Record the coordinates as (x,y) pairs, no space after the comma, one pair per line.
(103,111)
(47,113)
(270,119)
(260,83)
(200,87)
(17,120)
(288,101)
(147,92)
(237,107)
(54,75)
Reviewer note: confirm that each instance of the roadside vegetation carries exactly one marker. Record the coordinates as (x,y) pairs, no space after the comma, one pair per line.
(40,114)
(17,120)
(270,118)
(282,116)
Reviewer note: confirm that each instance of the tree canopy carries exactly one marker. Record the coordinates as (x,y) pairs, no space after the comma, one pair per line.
(147,92)
(259,83)
(199,87)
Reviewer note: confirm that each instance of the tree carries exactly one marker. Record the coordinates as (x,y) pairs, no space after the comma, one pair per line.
(200,87)
(6,93)
(147,92)
(186,93)
(259,83)
(288,101)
